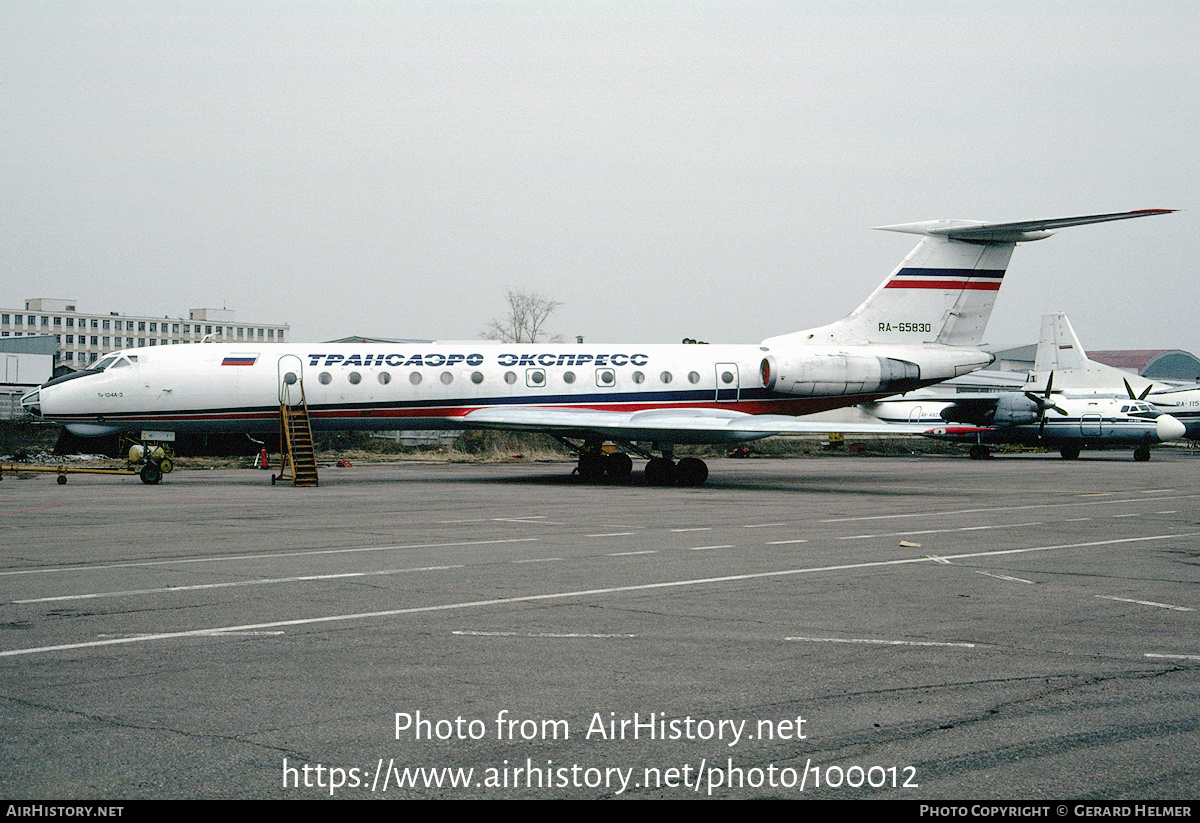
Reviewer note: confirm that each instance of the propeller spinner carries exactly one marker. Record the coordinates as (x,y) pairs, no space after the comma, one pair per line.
(1045,404)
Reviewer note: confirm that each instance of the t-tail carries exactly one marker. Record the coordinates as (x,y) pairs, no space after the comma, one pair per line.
(945,289)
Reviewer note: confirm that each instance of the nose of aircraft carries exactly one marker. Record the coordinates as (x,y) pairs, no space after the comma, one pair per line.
(1169,428)
(32,403)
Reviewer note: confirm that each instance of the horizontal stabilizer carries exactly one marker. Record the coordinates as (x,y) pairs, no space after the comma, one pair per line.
(1021,232)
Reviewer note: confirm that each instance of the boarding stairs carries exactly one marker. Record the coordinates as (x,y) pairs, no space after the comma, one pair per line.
(295,439)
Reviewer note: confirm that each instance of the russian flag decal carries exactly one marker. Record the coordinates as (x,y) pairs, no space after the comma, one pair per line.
(240,360)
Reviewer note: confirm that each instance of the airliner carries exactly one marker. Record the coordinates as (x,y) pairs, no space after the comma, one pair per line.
(1090,410)
(923,324)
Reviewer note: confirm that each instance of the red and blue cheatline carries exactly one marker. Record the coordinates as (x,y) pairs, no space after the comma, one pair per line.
(950,279)
(240,360)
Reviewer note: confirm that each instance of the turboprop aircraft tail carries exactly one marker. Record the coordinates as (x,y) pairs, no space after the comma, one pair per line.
(1059,349)
(944,290)
(1060,353)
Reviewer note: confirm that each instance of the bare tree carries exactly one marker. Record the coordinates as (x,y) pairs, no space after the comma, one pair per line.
(527,312)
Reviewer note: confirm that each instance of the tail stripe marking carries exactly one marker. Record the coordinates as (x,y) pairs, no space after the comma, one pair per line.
(977,279)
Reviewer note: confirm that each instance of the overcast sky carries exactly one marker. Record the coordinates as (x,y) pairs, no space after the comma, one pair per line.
(664,169)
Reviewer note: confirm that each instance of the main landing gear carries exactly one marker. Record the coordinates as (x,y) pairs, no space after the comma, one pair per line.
(596,465)
(663,471)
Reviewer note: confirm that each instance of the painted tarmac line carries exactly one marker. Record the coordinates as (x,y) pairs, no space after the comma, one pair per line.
(569,635)
(270,556)
(949,512)
(539,598)
(1146,603)
(878,642)
(941,531)
(266,581)
(1005,577)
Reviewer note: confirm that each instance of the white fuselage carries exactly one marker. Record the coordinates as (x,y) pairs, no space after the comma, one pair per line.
(1090,422)
(373,386)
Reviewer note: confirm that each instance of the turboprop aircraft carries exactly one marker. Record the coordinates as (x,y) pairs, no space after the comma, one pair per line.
(1060,352)
(1088,411)
(921,325)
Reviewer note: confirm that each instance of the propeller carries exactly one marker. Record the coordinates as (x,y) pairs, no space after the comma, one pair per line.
(1044,404)
(1141,396)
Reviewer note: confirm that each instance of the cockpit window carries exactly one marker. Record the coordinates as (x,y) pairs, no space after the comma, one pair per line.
(114,361)
(1141,410)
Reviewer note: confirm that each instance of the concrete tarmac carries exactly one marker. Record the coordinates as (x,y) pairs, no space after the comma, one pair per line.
(922,627)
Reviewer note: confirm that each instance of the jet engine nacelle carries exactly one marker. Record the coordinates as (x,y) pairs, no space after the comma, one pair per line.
(813,375)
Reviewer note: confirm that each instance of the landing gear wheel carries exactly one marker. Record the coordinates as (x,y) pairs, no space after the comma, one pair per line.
(691,471)
(150,474)
(1069,452)
(591,466)
(660,472)
(62,480)
(1141,454)
(980,452)
(166,465)
(618,466)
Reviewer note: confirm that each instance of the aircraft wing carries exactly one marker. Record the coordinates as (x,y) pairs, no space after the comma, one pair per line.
(982,400)
(668,425)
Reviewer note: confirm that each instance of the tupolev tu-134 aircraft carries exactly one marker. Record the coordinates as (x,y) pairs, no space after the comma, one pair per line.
(921,325)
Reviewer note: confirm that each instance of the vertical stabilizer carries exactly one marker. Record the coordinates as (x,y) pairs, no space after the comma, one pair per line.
(943,292)
(1059,349)
(1060,353)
